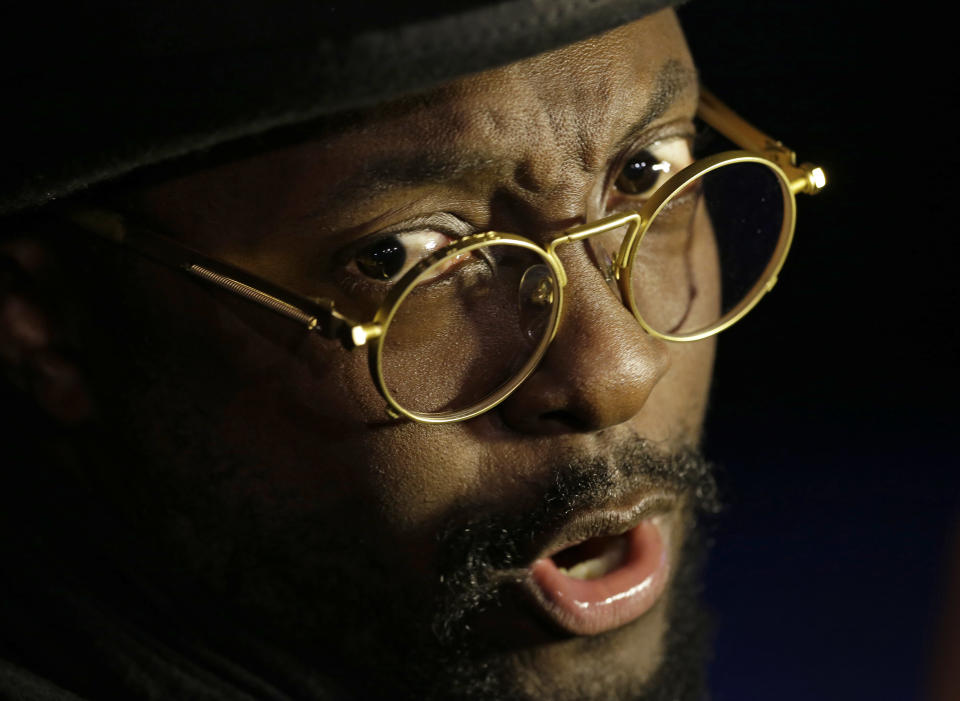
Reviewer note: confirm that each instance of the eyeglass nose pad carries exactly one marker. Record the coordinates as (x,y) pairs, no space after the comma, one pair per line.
(536,296)
(605,264)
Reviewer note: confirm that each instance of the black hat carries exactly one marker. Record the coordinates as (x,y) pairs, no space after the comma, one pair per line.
(95,89)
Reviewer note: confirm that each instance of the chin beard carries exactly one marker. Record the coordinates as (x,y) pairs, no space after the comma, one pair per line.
(680,676)
(452,661)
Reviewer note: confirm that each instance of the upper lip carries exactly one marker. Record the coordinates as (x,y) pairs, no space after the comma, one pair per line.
(610,521)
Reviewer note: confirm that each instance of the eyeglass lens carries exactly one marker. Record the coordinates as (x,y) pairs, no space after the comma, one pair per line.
(710,248)
(471,325)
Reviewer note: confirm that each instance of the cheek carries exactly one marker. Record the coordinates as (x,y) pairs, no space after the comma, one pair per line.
(692,362)
(705,261)
(204,374)
(675,411)
(248,433)
(302,419)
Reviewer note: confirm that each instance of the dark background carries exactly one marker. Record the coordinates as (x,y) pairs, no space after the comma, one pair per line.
(834,412)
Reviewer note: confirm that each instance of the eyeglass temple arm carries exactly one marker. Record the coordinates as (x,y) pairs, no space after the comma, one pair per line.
(806,177)
(318,315)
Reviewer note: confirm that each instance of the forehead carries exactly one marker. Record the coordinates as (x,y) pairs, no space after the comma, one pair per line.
(621,68)
(572,98)
(551,121)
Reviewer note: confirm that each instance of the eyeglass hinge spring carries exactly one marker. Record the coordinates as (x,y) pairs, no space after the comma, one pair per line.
(332,324)
(337,327)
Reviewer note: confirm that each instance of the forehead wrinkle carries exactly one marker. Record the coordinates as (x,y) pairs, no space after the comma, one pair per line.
(535,128)
(547,155)
(586,120)
(534,137)
(437,165)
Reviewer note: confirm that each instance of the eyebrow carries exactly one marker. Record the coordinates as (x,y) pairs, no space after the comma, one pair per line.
(403,170)
(673,80)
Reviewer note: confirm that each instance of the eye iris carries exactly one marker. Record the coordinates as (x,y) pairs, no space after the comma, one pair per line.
(383,259)
(638,175)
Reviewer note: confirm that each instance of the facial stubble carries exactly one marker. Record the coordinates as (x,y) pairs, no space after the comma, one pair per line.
(482,559)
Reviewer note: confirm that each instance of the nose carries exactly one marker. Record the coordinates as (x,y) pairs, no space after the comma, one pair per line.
(600,368)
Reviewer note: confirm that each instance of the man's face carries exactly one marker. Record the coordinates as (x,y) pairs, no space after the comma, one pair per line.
(263,466)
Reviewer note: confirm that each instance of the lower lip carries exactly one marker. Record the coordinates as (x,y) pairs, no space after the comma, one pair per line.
(589,607)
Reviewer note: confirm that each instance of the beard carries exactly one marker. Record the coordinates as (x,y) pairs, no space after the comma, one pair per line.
(363,632)
(481,558)
(473,674)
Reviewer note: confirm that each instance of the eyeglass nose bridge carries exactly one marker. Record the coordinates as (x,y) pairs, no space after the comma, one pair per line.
(632,220)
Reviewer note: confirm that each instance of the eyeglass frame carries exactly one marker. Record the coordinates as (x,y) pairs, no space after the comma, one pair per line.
(321,316)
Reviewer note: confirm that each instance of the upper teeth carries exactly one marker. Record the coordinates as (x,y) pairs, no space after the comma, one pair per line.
(599,566)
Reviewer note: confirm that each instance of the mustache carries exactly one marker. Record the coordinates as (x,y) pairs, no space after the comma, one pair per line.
(479,556)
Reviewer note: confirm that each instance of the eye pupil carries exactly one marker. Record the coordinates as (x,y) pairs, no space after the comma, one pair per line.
(638,175)
(383,259)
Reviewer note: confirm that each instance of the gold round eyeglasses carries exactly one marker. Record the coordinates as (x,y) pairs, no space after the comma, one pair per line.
(469,322)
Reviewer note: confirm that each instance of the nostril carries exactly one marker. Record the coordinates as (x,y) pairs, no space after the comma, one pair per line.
(563,419)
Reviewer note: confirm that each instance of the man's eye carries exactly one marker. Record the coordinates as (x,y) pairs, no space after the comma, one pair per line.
(383,259)
(640,173)
(649,168)
(389,257)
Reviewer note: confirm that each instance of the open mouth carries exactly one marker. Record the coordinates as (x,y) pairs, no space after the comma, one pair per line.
(606,581)
(592,558)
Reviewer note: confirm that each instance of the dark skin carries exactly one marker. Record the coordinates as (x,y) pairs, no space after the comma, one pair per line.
(256,466)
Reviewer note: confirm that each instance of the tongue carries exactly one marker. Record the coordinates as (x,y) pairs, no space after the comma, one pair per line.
(593,558)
